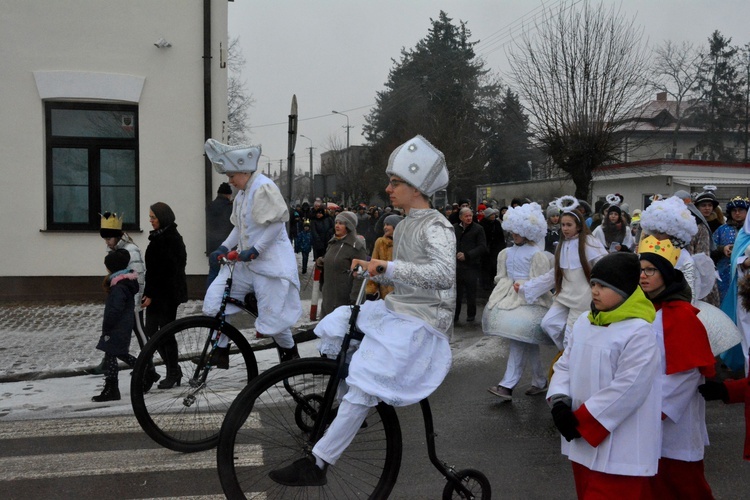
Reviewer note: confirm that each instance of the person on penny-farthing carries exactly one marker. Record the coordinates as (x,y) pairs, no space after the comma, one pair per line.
(405,353)
(268,266)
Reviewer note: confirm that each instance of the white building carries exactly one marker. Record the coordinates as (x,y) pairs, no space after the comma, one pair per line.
(104,110)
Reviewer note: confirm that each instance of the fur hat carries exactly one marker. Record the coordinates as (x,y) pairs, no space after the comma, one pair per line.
(111,225)
(620,271)
(349,219)
(420,164)
(672,217)
(706,196)
(392,220)
(228,159)
(527,221)
(117,260)
(553,210)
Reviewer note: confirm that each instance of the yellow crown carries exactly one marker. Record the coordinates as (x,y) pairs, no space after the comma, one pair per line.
(111,221)
(663,248)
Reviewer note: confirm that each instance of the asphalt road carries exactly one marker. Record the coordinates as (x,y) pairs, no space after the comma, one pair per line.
(514,444)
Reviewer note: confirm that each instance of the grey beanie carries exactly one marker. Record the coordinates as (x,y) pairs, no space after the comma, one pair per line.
(552,210)
(349,219)
(392,220)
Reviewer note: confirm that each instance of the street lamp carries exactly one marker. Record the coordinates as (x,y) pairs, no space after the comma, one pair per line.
(312,191)
(346,158)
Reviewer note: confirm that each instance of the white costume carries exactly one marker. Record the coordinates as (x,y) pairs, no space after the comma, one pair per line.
(258,214)
(405,353)
(628,241)
(684,430)
(574,297)
(613,370)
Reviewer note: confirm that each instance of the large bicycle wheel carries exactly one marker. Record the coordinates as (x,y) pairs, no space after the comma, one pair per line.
(188,417)
(263,431)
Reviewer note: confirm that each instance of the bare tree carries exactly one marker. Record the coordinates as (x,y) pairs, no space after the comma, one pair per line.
(675,71)
(238,99)
(580,73)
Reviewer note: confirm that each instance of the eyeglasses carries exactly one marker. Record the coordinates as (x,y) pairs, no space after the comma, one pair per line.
(153,218)
(396,182)
(649,271)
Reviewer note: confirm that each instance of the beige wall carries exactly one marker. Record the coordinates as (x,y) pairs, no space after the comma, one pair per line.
(117,38)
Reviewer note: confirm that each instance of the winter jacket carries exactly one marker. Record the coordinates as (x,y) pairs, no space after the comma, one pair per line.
(166,259)
(339,286)
(383,250)
(471,241)
(118,322)
(218,225)
(303,242)
(322,231)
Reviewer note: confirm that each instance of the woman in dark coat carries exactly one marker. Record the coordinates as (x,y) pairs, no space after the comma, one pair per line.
(321,227)
(493,233)
(339,286)
(166,284)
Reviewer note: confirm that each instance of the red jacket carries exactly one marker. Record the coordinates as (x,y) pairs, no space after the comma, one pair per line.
(739,391)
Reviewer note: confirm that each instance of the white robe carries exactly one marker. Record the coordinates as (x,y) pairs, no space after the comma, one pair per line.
(684,434)
(258,215)
(614,371)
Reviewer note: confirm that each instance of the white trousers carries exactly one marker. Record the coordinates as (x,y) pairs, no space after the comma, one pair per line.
(342,431)
(279,305)
(519,354)
(558,321)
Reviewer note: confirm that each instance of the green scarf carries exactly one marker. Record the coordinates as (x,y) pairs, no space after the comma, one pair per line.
(635,306)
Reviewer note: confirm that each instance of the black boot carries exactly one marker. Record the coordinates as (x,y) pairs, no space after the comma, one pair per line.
(174,372)
(220,358)
(97,370)
(287,354)
(110,392)
(302,472)
(150,378)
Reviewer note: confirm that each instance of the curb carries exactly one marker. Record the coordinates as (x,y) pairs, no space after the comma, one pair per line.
(299,337)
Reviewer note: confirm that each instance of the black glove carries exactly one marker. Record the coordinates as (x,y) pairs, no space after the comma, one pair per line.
(565,421)
(712,391)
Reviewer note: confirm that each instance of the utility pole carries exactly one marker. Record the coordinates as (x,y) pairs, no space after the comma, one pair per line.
(312,187)
(346,157)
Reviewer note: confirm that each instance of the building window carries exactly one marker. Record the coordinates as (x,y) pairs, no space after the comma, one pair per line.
(92,164)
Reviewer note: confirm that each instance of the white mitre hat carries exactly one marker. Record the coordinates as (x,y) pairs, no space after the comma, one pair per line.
(228,159)
(420,164)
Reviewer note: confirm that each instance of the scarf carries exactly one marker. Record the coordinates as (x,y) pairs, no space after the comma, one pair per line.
(635,306)
(686,343)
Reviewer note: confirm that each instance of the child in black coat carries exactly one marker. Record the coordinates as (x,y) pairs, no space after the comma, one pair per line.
(121,285)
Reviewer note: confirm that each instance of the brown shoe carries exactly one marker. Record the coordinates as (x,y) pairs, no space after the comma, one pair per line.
(502,392)
(534,390)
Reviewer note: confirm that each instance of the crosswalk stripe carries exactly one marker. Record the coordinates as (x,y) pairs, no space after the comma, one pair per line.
(114,462)
(68,427)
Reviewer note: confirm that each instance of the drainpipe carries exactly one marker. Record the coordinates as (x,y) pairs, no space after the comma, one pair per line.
(208,181)
(207,95)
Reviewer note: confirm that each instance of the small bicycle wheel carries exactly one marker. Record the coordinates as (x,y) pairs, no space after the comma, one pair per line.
(188,417)
(261,433)
(474,481)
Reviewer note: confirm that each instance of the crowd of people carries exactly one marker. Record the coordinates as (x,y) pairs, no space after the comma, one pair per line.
(629,298)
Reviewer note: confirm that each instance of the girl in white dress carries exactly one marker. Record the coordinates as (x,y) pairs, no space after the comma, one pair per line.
(575,255)
(507,314)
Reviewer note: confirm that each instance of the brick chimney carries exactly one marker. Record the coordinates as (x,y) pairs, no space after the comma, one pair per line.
(661,97)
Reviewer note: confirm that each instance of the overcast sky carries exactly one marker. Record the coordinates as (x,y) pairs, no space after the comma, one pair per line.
(336,54)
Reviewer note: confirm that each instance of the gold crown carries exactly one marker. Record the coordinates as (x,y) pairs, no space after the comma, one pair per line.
(663,248)
(111,221)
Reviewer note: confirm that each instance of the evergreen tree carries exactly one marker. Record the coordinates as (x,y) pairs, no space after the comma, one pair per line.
(436,90)
(509,148)
(722,108)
